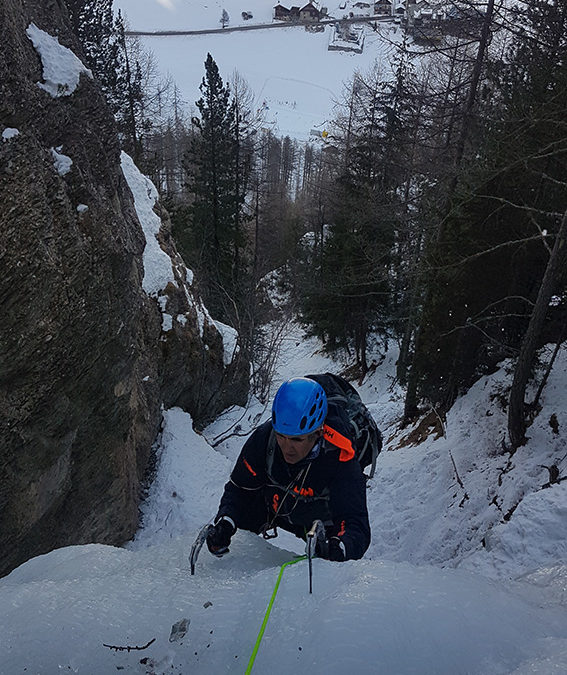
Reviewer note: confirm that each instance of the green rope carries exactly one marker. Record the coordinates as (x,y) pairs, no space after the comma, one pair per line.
(268,610)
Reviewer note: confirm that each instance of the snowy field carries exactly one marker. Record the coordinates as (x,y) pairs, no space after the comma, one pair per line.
(294,78)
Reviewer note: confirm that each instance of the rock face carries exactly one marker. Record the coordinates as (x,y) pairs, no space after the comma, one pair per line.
(87,356)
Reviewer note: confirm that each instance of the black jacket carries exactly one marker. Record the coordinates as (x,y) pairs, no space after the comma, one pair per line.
(265,491)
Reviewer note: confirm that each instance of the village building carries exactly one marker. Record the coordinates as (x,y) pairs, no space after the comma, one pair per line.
(281,13)
(309,13)
(346,37)
(360,9)
(424,14)
(383,7)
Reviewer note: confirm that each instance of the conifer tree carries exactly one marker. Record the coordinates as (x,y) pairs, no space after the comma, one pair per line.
(93,21)
(102,36)
(218,198)
(349,297)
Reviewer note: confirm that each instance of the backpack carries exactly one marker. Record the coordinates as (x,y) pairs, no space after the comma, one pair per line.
(366,435)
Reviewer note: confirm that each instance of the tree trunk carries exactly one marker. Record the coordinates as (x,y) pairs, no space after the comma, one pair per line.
(516,410)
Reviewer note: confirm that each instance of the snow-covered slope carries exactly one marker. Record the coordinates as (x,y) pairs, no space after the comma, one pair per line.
(403,609)
(65,612)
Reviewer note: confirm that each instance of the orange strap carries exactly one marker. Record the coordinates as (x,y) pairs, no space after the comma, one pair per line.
(247,465)
(341,442)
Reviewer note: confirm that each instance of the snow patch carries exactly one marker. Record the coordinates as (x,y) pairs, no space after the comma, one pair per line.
(62,163)
(61,68)
(158,269)
(9,133)
(229,340)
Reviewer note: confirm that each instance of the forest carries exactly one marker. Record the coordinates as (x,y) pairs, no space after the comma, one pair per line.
(433,217)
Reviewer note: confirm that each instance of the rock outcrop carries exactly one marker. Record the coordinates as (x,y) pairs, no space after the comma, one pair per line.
(88,356)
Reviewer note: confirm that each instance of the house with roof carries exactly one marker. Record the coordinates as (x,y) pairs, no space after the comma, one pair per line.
(281,13)
(399,7)
(423,13)
(383,7)
(309,13)
(360,9)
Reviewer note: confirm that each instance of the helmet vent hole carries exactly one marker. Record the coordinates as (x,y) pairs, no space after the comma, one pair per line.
(303,422)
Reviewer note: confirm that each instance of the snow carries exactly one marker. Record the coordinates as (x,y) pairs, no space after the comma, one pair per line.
(295,80)
(229,339)
(61,68)
(158,271)
(427,598)
(203,317)
(9,132)
(61,162)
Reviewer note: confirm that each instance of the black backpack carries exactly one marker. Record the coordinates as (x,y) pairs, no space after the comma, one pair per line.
(366,435)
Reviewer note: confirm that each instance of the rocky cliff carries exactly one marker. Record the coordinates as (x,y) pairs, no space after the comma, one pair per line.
(91,345)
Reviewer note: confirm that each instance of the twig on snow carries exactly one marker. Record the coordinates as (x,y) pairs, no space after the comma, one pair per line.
(128,648)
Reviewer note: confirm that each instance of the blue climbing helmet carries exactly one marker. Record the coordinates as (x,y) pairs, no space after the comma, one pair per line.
(300,406)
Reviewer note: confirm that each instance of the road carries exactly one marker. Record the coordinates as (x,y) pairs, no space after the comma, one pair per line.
(259,26)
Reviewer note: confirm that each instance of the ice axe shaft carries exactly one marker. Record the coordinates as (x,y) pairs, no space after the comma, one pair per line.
(316,534)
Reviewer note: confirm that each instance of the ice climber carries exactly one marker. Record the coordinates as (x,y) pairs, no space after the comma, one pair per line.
(295,468)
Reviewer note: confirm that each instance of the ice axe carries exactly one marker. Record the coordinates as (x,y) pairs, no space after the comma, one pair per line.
(198,545)
(316,535)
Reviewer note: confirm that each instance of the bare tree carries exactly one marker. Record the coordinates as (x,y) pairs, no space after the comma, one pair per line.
(517,408)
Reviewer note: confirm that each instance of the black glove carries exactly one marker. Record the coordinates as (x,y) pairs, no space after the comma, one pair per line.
(219,536)
(336,550)
(332,549)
